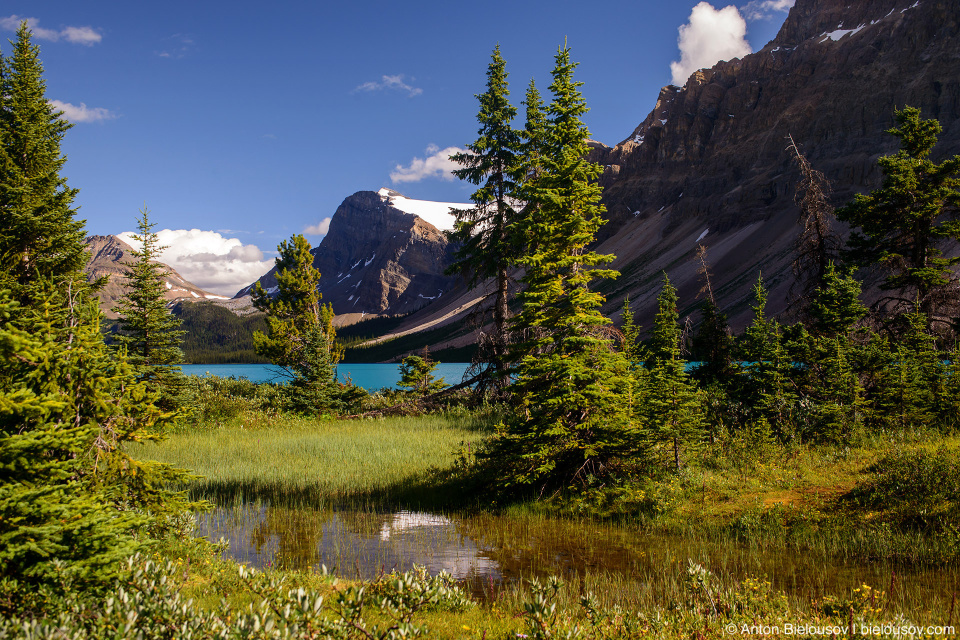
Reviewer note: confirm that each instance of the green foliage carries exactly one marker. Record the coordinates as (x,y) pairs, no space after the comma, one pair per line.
(149,333)
(487,235)
(416,375)
(215,335)
(916,488)
(148,604)
(570,422)
(902,223)
(836,306)
(39,238)
(632,347)
(301,334)
(72,503)
(71,500)
(673,415)
(767,387)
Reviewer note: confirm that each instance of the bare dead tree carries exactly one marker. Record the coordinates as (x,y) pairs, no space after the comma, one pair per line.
(704,273)
(818,244)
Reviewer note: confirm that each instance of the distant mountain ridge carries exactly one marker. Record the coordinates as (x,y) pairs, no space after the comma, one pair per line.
(708,165)
(109,256)
(384,254)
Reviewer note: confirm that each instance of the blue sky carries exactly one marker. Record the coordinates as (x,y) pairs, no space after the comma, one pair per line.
(251,123)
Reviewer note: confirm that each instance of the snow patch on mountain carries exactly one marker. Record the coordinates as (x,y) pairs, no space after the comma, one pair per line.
(436,213)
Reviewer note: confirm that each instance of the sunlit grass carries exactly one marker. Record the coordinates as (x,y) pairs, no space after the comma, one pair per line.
(325,460)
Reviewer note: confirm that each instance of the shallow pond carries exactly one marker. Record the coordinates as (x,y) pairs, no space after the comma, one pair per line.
(491,551)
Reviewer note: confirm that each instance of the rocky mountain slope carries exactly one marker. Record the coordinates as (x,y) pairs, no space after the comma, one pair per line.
(709,164)
(108,255)
(384,254)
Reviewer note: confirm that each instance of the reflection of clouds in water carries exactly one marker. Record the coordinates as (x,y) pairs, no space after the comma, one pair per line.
(444,549)
(353,544)
(406,520)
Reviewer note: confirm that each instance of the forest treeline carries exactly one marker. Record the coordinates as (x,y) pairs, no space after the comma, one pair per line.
(586,408)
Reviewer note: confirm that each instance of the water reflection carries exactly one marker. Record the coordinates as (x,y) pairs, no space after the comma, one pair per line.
(489,550)
(354,544)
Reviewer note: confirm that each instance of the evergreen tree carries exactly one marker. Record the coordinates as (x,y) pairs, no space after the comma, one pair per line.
(485,232)
(906,395)
(68,492)
(767,386)
(149,332)
(673,413)
(39,238)
(902,223)
(633,348)
(571,422)
(301,337)
(416,375)
(832,383)
(72,502)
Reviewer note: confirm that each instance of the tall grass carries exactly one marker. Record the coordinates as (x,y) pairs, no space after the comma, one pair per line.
(303,460)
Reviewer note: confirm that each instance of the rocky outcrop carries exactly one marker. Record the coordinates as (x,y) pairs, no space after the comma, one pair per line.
(710,160)
(378,259)
(109,256)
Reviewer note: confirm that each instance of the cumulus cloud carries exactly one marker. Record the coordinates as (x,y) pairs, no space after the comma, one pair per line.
(391,83)
(437,164)
(83,113)
(764,9)
(710,36)
(209,260)
(77,35)
(319,229)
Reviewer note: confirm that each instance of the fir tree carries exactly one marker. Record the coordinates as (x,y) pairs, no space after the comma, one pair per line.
(486,232)
(767,385)
(570,379)
(902,222)
(673,414)
(150,334)
(68,492)
(300,327)
(39,238)
(416,375)
(633,348)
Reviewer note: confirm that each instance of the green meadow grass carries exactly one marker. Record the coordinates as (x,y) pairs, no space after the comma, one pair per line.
(295,459)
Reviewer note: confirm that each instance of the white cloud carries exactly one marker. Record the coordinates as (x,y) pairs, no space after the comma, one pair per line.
(319,229)
(391,83)
(83,113)
(77,35)
(710,36)
(764,9)
(437,164)
(209,260)
(180,46)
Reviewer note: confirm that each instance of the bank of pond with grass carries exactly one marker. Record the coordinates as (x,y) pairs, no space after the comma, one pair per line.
(815,533)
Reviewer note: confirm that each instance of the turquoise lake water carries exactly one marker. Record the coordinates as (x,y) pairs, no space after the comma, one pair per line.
(369,376)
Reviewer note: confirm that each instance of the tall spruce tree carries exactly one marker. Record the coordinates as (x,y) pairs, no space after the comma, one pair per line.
(301,338)
(39,238)
(767,387)
(673,413)
(902,224)
(571,423)
(149,332)
(486,232)
(72,502)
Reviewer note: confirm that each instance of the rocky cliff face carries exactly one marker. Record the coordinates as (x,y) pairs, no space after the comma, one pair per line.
(714,148)
(108,257)
(709,163)
(378,259)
